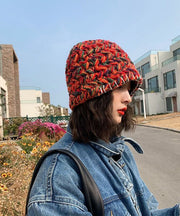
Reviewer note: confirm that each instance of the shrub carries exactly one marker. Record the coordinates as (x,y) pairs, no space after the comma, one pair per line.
(10,126)
(42,130)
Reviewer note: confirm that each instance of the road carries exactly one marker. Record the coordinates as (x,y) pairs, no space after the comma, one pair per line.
(159,166)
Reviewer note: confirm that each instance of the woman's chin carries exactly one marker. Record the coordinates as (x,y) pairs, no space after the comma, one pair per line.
(118,119)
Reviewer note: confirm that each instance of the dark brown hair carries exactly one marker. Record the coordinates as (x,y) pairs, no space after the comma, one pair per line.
(93,119)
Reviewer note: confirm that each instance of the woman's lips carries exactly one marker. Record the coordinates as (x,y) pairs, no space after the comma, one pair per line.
(122,111)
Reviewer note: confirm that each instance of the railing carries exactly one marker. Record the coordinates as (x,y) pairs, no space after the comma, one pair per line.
(152,90)
(152,68)
(138,93)
(53,119)
(151,52)
(176,39)
(170,60)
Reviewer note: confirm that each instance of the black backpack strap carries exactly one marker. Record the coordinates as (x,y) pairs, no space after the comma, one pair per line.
(92,195)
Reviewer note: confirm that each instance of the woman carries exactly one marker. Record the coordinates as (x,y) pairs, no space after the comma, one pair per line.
(101,80)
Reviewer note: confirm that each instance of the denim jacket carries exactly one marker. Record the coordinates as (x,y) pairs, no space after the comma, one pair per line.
(57,189)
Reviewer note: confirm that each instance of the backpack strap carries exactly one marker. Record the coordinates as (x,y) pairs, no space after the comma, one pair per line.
(92,195)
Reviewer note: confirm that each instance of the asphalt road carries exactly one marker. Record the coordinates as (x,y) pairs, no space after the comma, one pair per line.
(159,166)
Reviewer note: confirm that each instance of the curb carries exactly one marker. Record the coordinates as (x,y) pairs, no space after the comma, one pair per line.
(169,129)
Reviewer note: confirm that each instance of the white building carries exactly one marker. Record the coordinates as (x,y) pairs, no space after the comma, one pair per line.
(31,100)
(3,103)
(3,99)
(161,74)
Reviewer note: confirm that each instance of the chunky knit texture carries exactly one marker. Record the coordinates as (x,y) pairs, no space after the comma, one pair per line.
(95,67)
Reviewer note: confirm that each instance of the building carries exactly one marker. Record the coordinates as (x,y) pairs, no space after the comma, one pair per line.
(9,84)
(161,73)
(4,113)
(9,71)
(36,103)
(46,97)
(32,99)
(63,111)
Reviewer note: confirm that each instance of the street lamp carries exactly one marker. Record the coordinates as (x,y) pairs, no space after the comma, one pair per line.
(142,90)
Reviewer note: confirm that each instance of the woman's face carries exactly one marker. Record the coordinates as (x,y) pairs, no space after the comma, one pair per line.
(121,98)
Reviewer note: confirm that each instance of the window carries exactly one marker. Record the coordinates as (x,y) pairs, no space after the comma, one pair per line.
(38,100)
(153,84)
(142,107)
(169,80)
(145,69)
(168,104)
(3,102)
(176,52)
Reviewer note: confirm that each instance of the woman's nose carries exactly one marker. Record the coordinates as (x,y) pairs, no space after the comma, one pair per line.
(126,97)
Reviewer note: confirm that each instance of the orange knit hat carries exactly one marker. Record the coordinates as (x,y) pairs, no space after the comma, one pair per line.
(95,67)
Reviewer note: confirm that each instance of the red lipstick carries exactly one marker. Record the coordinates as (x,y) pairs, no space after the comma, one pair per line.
(122,111)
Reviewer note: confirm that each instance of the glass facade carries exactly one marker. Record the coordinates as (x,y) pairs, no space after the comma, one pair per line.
(168,104)
(153,85)
(170,80)
(145,69)
(176,52)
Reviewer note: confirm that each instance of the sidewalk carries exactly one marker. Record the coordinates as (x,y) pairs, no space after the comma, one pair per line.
(168,121)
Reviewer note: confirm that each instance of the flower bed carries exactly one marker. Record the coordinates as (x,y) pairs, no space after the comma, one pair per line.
(42,130)
(18,160)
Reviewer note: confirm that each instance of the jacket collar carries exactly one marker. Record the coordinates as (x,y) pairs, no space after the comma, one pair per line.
(109,149)
(115,147)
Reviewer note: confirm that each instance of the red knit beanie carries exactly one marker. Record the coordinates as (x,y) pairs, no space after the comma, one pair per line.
(95,67)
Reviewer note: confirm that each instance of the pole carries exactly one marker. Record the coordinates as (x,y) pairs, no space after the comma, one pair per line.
(144,106)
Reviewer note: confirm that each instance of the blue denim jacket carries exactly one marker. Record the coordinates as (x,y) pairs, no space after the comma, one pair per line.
(57,189)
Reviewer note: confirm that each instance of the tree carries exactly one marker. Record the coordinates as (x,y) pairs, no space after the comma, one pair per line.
(50,109)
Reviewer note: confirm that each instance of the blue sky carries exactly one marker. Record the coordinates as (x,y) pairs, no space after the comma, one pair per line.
(42,33)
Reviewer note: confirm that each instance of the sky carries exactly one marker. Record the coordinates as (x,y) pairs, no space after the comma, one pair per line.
(42,33)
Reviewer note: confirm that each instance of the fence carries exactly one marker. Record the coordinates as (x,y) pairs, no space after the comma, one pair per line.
(11,125)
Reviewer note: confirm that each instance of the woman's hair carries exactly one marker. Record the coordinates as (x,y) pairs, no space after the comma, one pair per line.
(93,119)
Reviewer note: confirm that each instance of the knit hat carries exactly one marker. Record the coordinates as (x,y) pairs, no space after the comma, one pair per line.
(95,67)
